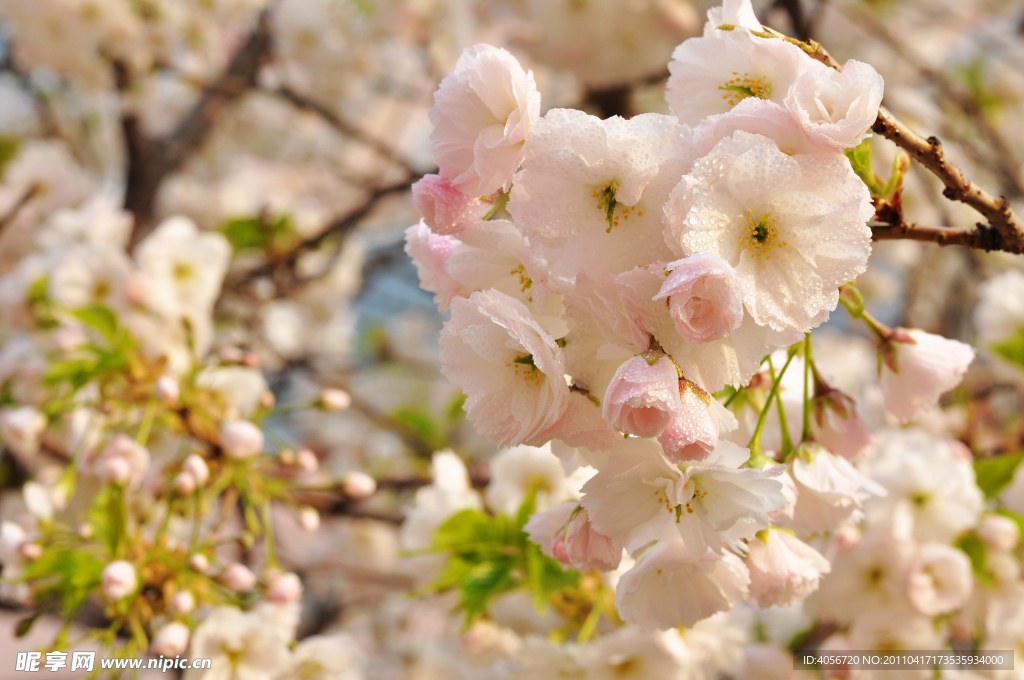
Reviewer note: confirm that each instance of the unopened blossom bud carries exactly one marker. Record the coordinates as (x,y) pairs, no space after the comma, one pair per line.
(230,355)
(238,577)
(241,439)
(358,484)
(171,640)
(445,209)
(196,466)
(693,433)
(123,461)
(198,562)
(783,568)
(136,288)
(334,400)
(267,399)
(847,536)
(284,588)
(12,536)
(286,456)
(119,579)
(999,533)
(38,500)
(704,295)
(309,519)
(643,396)
(21,428)
(251,360)
(183,602)
(917,368)
(837,425)
(184,484)
(167,390)
(558,549)
(586,549)
(307,461)
(85,530)
(31,551)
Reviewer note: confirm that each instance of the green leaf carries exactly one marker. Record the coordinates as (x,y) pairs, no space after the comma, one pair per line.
(101,319)
(860,161)
(484,582)
(422,423)
(258,232)
(9,148)
(975,550)
(25,625)
(1011,349)
(996,472)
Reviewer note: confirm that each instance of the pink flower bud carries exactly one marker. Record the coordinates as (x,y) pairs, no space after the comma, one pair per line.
(241,439)
(183,602)
(704,295)
(445,209)
(693,434)
(238,577)
(184,484)
(251,360)
(307,461)
(171,640)
(559,550)
(198,562)
(286,457)
(230,355)
(267,399)
(358,484)
(31,551)
(586,549)
(643,396)
(309,519)
(837,425)
(917,368)
(999,533)
(167,390)
(197,467)
(335,400)
(123,461)
(114,470)
(119,580)
(85,530)
(284,588)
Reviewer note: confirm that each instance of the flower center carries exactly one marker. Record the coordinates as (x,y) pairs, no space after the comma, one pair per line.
(607,204)
(524,281)
(524,368)
(760,235)
(741,86)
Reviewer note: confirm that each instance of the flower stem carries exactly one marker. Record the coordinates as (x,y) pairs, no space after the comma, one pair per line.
(755,440)
(808,362)
(787,442)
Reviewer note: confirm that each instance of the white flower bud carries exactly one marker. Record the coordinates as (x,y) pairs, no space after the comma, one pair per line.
(238,577)
(199,563)
(114,470)
(284,588)
(335,400)
(167,390)
(358,484)
(999,533)
(119,579)
(171,640)
(37,500)
(197,467)
(85,530)
(309,519)
(11,537)
(184,483)
(307,460)
(183,602)
(241,439)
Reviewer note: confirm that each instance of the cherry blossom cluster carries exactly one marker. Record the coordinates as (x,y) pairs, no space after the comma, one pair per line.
(607,278)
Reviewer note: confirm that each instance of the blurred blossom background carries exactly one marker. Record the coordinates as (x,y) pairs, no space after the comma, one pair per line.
(131,131)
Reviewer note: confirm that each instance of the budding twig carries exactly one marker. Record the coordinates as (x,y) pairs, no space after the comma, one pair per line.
(983,236)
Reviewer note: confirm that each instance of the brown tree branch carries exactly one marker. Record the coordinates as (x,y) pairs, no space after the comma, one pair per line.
(14,210)
(342,126)
(151,160)
(983,237)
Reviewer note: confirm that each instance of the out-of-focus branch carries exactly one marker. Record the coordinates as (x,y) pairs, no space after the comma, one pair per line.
(23,200)
(151,160)
(342,126)
(983,237)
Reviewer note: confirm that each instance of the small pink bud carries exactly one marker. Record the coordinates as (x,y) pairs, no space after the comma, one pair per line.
(837,425)
(307,461)
(335,400)
(171,640)
(230,355)
(184,484)
(241,439)
(31,551)
(558,549)
(196,466)
(643,396)
(238,577)
(199,563)
(358,484)
(705,299)
(847,536)
(136,288)
(114,470)
(999,533)
(309,519)
(167,390)
(123,461)
(119,580)
(183,602)
(693,433)
(267,400)
(251,360)
(286,456)
(85,531)
(284,588)
(445,209)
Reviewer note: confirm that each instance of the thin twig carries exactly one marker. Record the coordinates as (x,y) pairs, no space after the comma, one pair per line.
(983,237)
(15,210)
